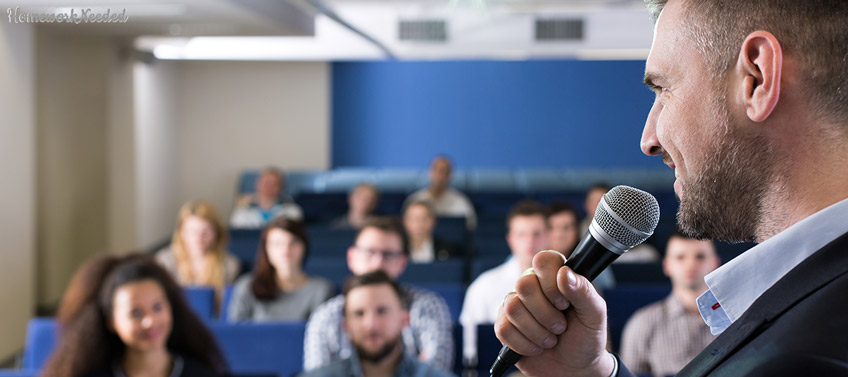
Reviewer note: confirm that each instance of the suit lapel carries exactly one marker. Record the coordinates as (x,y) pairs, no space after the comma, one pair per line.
(816,271)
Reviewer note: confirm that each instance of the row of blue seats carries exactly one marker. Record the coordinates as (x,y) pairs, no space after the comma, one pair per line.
(622,301)
(468,180)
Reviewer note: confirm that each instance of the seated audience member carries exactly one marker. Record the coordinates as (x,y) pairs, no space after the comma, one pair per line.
(419,221)
(563,236)
(642,253)
(197,254)
(661,338)
(379,246)
(527,234)
(361,203)
(266,203)
(375,312)
(278,289)
(125,316)
(446,200)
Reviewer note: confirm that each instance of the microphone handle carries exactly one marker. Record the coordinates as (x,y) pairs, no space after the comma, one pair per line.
(589,259)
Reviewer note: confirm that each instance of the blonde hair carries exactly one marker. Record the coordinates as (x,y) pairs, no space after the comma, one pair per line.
(215,273)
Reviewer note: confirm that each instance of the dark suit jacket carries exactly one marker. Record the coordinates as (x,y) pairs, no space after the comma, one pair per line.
(798,327)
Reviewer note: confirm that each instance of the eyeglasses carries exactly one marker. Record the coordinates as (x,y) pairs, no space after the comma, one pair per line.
(389,256)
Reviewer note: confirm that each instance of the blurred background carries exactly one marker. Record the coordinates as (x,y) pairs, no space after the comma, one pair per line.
(108,127)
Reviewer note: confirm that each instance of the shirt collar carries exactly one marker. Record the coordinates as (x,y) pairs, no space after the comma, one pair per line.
(735,286)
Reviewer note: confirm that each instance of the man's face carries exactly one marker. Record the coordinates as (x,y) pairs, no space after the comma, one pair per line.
(687,261)
(363,199)
(722,167)
(374,319)
(418,221)
(593,197)
(269,185)
(374,250)
(563,232)
(527,236)
(440,172)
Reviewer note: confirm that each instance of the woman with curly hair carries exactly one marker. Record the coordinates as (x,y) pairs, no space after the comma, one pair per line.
(125,316)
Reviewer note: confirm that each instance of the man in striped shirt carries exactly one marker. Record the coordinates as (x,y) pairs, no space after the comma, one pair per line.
(661,338)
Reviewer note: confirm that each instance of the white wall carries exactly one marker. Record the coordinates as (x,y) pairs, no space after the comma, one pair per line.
(247,115)
(155,143)
(72,156)
(17,167)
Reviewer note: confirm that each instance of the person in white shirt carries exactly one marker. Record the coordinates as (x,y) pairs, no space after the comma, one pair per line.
(446,200)
(527,234)
(419,221)
(256,209)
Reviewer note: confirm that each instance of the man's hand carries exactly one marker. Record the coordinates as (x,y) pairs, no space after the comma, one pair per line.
(532,324)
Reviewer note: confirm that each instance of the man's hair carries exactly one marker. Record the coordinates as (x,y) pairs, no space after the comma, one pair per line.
(525,208)
(556,208)
(374,278)
(385,224)
(812,32)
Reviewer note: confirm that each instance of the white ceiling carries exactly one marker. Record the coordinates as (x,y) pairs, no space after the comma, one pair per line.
(297,30)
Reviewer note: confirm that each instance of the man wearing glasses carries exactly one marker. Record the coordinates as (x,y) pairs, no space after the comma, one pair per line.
(379,246)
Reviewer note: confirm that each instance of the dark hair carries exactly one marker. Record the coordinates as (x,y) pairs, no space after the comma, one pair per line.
(556,208)
(812,32)
(385,224)
(86,343)
(374,278)
(525,208)
(264,283)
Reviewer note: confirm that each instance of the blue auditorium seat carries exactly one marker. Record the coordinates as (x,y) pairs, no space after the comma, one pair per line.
(18,373)
(639,273)
(453,293)
(225,303)
(325,242)
(447,271)
(41,338)
(488,347)
(452,229)
(333,269)
(262,348)
(243,244)
(484,263)
(624,300)
(202,301)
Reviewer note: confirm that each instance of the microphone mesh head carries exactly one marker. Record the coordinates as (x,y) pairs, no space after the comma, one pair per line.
(638,209)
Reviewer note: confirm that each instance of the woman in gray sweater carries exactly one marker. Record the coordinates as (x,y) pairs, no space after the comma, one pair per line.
(279,289)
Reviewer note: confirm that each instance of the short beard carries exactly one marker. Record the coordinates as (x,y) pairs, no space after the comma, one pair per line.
(724,201)
(379,355)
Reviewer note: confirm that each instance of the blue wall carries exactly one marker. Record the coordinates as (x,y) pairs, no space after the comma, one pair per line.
(490,114)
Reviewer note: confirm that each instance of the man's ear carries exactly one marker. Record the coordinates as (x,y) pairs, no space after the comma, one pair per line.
(760,66)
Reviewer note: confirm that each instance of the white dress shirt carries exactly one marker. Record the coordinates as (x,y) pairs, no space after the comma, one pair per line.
(734,286)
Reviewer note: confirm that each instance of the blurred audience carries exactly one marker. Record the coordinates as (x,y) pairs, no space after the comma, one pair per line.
(361,203)
(125,316)
(419,221)
(661,338)
(197,255)
(278,289)
(527,234)
(375,312)
(447,201)
(266,203)
(563,237)
(379,246)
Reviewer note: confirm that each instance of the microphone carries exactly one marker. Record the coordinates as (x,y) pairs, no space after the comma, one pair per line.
(625,217)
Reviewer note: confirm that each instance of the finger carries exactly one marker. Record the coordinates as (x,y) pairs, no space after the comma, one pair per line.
(522,318)
(546,315)
(510,336)
(588,306)
(546,265)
